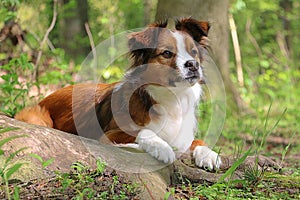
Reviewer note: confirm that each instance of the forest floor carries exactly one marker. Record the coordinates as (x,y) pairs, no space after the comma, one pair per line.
(284,184)
(103,183)
(83,183)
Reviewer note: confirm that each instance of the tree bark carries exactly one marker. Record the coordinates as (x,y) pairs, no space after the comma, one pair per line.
(147,11)
(216,12)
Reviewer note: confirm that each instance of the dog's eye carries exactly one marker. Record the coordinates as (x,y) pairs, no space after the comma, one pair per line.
(167,54)
(194,52)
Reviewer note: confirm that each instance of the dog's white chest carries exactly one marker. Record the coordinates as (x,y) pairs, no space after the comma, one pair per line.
(176,122)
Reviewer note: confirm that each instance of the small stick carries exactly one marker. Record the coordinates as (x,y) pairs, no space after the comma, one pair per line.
(45,38)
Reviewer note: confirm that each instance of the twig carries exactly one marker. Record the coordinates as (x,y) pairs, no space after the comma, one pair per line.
(45,38)
(51,46)
(147,188)
(237,51)
(87,28)
(88,31)
(283,47)
(252,39)
(36,37)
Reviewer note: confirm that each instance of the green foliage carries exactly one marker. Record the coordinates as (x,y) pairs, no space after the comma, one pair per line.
(253,175)
(256,185)
(7,9)
(60,73)
(16,194)
(82,179)
(110,17)
(170,193)
(234,166)
(100,166)
(43,162)
(8,168)
(13,91)
(8,165)
(269,40)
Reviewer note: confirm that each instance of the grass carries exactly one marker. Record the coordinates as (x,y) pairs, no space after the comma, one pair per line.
(256,183)
(268,186)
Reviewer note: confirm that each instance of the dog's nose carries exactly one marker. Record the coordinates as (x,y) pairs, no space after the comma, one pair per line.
(192,65)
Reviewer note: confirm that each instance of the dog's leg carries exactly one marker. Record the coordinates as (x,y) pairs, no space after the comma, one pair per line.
(35,115)
(155,146)
(148,141)
(204,156)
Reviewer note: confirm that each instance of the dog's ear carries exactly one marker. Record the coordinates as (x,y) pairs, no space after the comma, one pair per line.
(197,29)
(142,43)
(141,40)
(147,37)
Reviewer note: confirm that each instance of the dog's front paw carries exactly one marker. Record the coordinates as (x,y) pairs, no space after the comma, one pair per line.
(155,146)
(206,158)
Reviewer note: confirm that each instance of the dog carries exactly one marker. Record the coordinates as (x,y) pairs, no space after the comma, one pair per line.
(153,108)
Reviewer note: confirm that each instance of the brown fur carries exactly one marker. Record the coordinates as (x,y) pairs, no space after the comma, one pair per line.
(197,143)
(35,115)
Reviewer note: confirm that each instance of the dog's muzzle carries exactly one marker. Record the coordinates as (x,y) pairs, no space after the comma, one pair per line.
(192,71)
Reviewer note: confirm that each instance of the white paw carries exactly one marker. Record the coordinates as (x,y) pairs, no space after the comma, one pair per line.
(155,146)
(206,158)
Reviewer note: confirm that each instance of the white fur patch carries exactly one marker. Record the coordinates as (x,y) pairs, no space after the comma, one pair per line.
(129,145)
(182,55)
(155,146)
(176,123)
(206,158)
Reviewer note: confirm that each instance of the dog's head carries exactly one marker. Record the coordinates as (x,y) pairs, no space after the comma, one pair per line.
(176,54)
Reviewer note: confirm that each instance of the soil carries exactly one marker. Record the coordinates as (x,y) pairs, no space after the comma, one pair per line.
(93,185)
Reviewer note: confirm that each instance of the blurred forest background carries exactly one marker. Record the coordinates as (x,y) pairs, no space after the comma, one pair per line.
(256,45)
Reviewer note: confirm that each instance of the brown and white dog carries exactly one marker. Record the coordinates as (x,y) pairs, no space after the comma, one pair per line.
(152,109)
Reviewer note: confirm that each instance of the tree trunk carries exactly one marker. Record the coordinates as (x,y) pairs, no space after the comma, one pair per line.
(70,33)
(216,12)
(287,6)
(147,11)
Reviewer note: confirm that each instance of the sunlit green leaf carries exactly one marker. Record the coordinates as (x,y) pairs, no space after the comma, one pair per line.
(12,170)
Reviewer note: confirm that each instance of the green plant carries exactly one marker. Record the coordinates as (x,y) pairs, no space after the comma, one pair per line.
(65,180)
(266,132)
(254,175)
(9,168)
(16,194)
(115,182)
(59,71)
(234,166)
(284,152)
(170,193)
(14,92)
(6,11)
(44,163)
(100,166)
(83,182)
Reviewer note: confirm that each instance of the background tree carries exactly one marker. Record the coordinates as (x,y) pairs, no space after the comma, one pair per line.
(70,33)
(216,12)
